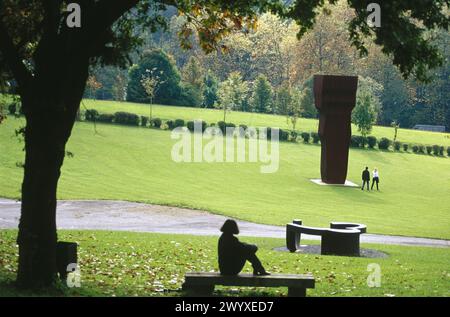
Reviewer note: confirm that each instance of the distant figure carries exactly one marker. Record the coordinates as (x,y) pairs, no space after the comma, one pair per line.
(233,254)
(365,178)
(375,178)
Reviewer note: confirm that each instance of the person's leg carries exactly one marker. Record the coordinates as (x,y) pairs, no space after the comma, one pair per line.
(377,182)
(373,183)
(256,264)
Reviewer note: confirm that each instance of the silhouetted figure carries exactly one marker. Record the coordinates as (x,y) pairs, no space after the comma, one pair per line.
(233,253)
(365,178)
(375,178)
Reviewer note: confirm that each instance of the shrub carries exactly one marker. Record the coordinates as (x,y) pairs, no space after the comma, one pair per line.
(126,118)
(242,130)
(384,144)
(421,149)
(397,145)
(170,124)
(222,125)
(12,108)
(283,135)
(415,148)
(436,149)
(305,136)
(354,141)
(156,123)
(441,151)
(448,151)
(429,149)
(91,115)
(315,137)
(179,123)
(191,125)
(405,147)
(293,136)
(105,117)
(144,121)
(371,141)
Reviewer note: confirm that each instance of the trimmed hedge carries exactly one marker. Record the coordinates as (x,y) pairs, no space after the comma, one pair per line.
(371,141)
(91,115)
(126,118)
(405,147)
(429,149)
(179,123)
(12,108)
(397,146)
(415,148)
(315,137)
(448,150)
(170,124)
(156,123)
(191,125)
(144,121)
(436,149)
(105,118)
(305,136)
(384,143)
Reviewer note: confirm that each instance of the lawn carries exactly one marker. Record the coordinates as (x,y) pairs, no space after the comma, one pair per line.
(145,264)
(134,164)
(256,119)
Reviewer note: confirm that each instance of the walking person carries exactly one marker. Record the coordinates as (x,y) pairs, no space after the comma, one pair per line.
(233,254)
(365,178)
(375,178)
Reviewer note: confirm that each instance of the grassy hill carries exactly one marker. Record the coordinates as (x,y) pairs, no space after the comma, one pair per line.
(131,163)
(257,120)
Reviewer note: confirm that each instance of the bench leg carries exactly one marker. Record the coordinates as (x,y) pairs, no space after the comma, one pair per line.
(296,292)
(198,290)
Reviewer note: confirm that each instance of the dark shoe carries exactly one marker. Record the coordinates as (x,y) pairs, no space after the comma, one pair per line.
(260,273)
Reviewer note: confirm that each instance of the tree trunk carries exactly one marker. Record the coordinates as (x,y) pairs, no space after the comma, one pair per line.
(45,139)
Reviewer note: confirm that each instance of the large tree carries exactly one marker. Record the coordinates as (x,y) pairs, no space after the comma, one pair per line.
(49,61)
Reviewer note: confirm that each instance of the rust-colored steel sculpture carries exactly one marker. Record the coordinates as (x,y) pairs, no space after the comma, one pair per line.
(335,98)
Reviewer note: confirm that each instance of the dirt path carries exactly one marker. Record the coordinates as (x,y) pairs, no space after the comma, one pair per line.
(128,216)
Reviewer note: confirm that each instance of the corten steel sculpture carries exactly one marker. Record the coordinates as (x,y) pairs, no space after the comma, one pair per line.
(335,98)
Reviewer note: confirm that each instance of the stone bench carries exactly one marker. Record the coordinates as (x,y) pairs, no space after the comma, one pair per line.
(342,238)
(202,283)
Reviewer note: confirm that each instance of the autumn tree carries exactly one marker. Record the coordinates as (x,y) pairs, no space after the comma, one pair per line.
(49,59)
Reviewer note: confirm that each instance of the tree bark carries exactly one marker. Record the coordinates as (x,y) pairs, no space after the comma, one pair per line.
(46,135)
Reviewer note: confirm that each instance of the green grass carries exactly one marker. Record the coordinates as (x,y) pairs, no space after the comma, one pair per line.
(134,164)
(257,120)
(144,264)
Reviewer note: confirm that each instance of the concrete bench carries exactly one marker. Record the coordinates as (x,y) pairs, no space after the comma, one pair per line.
(342,238)
(202,283)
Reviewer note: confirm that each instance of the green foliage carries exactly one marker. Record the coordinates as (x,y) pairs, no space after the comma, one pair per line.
(309,109)
(178,123)
(210,90)
(429,149)
(126,118)
(405,147)
(91,115)
(415,148)
(448,151)
(397,146)
(371,141)
(232,94)
(191,125)
(305,136)
(12,109)
(315,137)
(261,100)
(435,149)
(384,144)
(105,118)
(144,121)
(157,61)
(170,124)
(283,99)
(156,122)
(367,104)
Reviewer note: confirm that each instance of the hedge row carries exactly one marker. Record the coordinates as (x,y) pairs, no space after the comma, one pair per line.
(356,141)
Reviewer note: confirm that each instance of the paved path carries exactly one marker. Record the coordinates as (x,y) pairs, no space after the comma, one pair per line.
(128,216)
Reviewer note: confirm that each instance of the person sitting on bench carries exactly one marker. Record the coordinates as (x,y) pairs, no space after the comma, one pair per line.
(233,254)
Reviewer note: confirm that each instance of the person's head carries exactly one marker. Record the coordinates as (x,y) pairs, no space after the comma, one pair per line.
(230,226)
(367,168)
(375,169)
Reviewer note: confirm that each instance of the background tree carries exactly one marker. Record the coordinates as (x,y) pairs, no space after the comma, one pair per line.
(365,114)
(50,63)
(296,107)
(232,94)
(210,89)
(92,86)
(159,62)
(261,100)
(283,99)
(193,75)
(152,82)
